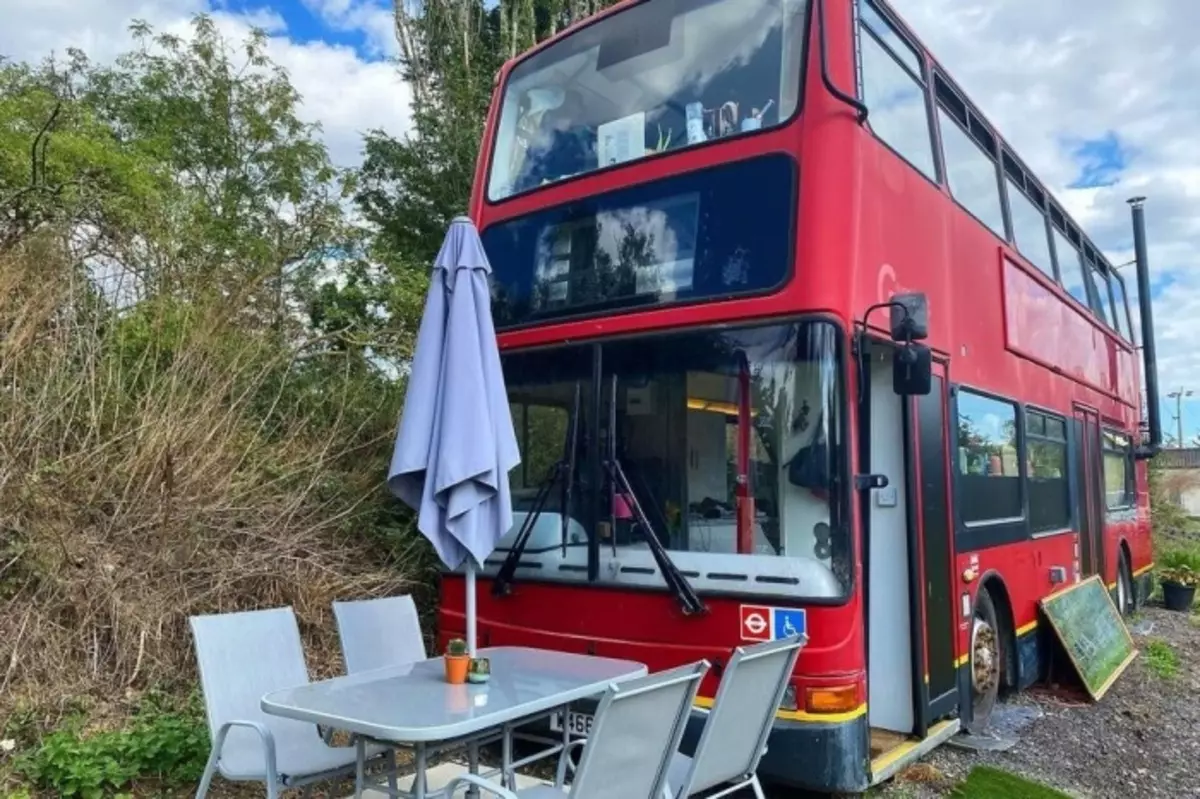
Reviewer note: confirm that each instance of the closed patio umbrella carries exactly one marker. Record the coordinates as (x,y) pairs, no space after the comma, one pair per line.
(455,444)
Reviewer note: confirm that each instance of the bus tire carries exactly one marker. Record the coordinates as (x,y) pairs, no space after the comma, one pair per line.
(986,659)
(1126,594)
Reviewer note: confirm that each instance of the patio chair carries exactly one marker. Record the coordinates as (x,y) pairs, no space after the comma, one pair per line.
(637,729)
(734,738)
(379,632)
(241,657)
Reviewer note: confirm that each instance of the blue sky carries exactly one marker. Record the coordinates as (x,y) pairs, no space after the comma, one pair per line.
(335,22)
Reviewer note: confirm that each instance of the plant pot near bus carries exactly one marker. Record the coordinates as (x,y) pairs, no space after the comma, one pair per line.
(457,661)
(1178,596)
(1179,575)
(479,670)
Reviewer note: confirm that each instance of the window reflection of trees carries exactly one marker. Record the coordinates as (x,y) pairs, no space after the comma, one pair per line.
(611,257)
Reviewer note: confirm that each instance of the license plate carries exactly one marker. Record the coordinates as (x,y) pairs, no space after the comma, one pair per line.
(577,723)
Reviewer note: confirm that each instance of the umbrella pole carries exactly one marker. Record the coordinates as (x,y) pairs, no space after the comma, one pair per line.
(470,606)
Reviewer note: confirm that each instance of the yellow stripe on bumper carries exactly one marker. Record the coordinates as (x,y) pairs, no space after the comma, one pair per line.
(706,702)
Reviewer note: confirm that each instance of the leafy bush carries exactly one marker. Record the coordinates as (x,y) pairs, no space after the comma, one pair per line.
(1180,564)
(168,747)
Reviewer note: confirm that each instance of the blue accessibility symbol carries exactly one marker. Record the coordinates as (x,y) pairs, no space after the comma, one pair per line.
(786,622)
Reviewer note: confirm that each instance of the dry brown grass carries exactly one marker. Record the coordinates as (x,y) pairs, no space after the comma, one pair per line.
(166,466)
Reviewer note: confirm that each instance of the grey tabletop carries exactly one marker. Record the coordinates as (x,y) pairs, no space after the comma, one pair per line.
(413,703)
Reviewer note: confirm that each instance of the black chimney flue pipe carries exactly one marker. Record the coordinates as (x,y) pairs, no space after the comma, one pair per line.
(1149,357)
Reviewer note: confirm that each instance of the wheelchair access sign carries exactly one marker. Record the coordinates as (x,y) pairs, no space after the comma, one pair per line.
(766,623)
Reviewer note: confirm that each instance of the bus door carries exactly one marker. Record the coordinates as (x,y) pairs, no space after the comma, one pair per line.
(1089,492)
(936,686)
(911,676)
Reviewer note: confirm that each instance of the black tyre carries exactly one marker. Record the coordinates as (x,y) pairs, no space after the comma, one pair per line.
(987,653)
(1126,596)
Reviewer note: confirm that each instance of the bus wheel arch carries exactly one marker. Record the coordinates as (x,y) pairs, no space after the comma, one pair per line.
(1127,595)
(992,655)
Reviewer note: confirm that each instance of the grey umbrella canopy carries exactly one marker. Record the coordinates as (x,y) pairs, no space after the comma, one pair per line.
(455,445)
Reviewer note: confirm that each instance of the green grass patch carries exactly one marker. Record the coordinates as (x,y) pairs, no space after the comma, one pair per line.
(991,783)
(1162,659)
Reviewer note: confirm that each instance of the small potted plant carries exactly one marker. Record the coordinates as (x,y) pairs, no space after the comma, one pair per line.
(1179,587)
(1179,574)
(456,661)
(480,670)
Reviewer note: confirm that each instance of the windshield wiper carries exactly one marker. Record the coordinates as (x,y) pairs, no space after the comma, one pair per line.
(676,581)
(564,470)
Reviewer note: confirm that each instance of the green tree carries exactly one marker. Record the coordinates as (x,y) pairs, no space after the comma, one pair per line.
(255,198)
(451,50)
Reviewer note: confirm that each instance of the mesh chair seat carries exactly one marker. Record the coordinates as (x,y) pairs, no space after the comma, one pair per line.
(637,729)
(241,657)
(735,733)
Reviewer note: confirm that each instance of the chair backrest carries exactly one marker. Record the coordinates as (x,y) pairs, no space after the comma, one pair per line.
(242,656)
(743,712)
(379,632)
(637,730)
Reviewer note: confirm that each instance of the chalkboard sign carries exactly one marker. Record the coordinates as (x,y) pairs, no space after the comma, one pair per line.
(1092,632)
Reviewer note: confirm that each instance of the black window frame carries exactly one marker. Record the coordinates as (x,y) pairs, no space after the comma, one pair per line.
(1034,416)
(1125,450)
(1015,175)
(1061,227)
(981,534)
(861,25)
(1116,278)
(949,98)
(1095,273)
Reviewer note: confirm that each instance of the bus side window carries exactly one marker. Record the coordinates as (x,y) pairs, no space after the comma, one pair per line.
(893,88)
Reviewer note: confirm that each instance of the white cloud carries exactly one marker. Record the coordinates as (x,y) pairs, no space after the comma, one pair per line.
(1047,74)
(344,92)
(372,18)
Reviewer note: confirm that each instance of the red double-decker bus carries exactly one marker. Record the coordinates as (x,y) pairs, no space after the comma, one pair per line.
(795,342)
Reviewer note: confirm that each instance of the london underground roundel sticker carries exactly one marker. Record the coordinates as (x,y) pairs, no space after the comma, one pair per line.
(756,623)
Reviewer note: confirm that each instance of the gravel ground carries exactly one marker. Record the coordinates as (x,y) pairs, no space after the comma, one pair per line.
(1141,740)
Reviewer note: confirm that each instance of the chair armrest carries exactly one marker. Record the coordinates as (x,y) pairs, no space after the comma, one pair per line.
(565,762)
(268,740)
(481,783)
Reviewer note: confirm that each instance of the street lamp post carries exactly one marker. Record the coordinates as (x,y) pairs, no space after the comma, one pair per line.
(1178,397)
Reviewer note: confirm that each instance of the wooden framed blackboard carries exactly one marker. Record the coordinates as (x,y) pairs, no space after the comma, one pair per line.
(1092,632)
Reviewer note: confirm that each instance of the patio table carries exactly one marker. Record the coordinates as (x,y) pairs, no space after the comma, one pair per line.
(412,704)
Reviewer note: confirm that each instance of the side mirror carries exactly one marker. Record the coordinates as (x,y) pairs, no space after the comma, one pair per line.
(910,317)
(912,370)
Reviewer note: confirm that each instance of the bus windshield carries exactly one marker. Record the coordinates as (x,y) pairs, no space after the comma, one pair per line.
(655,77)
(709,425)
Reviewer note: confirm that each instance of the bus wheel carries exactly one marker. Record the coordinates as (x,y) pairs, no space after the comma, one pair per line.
(1125,598)
(986,657)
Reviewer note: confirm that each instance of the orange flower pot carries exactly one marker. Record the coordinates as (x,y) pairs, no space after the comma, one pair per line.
(456,668)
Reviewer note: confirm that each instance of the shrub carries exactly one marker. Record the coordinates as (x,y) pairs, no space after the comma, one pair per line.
(167,746)
(147,478)
(1180,564)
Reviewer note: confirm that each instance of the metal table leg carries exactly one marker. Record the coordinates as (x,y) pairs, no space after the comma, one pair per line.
(506,770)
(419,777)
(360,767)
(473,766)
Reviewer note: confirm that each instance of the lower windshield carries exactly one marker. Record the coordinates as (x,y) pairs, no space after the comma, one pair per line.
(657,76)
(729,451)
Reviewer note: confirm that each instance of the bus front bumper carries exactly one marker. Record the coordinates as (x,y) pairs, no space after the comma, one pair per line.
(810,755)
